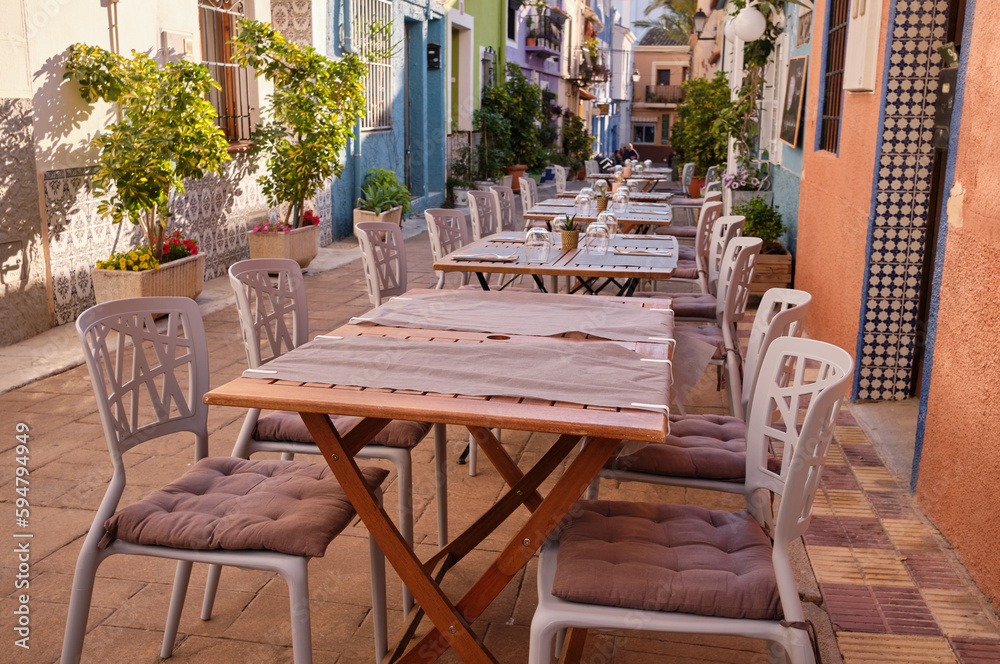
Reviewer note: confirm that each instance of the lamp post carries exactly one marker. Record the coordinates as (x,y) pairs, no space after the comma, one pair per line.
(699,19)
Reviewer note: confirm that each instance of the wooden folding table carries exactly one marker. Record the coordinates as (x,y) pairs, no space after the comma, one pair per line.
(606,427)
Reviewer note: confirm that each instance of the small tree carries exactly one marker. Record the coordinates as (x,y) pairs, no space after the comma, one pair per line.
(315,103)
(493,151)
(698,135)
(167,133)
(577,143)
(523,112)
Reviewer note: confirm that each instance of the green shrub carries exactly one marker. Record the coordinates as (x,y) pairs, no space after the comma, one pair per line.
(698,134)
(762,220)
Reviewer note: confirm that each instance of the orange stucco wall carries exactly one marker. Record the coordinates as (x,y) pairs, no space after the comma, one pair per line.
(960,466)
(835,203)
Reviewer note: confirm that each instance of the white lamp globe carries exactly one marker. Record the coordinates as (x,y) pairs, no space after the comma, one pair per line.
(730,31)
(750,24)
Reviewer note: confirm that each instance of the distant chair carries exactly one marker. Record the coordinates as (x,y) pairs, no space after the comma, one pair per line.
(273,515)
(485,217)
(529,193)
(591,167)
(383,257)
(448,233)
(561,172)
(711,175)
(504,198)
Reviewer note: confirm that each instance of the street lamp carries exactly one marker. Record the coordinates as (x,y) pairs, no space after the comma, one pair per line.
(700,19)
(636,77)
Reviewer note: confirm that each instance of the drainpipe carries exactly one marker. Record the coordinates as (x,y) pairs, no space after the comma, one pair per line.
(347,45)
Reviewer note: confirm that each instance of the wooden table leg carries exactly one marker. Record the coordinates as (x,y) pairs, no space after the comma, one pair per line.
(430,596)
(523,545)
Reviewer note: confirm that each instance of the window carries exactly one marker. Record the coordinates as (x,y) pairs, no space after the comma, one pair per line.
(644,133)
(665,129)
(378,83)
(771,105)
(232,100)
(833,77)
(663,77)
(512,7)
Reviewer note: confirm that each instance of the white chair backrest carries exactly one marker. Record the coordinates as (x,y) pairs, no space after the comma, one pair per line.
(483,210)
(384,259)
(713,188)
(447,231)
(561,172)
(507,181)
(784,386)
(781,313)
(529,193)
(687,174)
(147,383)
(725,229)
(591,166)
(738,263)
(714,197)
(710,212)
(504,199)
(711,175)
(273,312)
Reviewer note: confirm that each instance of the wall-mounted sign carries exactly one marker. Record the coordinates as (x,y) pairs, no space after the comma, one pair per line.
(804,32)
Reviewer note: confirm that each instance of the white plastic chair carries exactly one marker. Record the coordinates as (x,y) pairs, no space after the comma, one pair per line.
(591,167)
(561,176)
(150,384)
(485,217)
(504,199)
(384,259)
(702,450)
(274,319)
(696,271)
(711,175)
(528,189)
(724,230)
(617,546)
(448,233)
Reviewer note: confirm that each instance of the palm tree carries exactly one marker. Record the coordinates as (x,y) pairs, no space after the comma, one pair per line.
(677,17)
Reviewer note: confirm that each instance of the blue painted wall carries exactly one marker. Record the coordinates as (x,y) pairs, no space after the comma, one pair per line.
(423,22)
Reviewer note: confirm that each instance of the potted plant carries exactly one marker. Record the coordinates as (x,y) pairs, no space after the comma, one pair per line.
(747,182)
(577,143)
(312,112)
(570,233)
(276,239)
(384,197)
(180,271)
(774,265)
(698,134)
(167,134)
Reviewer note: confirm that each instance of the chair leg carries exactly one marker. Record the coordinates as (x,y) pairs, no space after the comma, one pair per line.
(379,620)
(540,642)
(735,385)
(441,478)
(297,577)
(241,449)
(211,586)
(79,601)
(473,455)
(181,579)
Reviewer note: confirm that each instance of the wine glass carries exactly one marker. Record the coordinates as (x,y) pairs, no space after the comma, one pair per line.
(597,239)
(536,245)
(610,221)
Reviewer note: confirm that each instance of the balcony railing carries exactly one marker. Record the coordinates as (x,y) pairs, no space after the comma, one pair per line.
(545,33)
(592,66)
(664,94)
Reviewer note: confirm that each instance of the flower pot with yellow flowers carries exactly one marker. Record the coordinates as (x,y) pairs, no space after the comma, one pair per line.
(166,134)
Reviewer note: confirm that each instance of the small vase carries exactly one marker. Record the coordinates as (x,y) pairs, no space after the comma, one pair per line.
(602,203)
(570,239)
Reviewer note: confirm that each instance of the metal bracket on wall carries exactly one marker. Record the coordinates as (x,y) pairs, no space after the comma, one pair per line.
(13,266)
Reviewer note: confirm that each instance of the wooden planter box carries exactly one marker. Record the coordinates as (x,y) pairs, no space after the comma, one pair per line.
(772,271)
(184,278)
(300,244)
(393,216)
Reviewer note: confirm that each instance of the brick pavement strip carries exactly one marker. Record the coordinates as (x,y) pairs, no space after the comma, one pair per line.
(929,595)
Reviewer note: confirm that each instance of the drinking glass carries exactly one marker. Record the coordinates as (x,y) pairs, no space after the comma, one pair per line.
(601,187)
(581,204)
(536,245)
(597,239)
(558,223)
(610,221)
(633,185)
(648,163)
(618,171)
(588,190)
(620,201)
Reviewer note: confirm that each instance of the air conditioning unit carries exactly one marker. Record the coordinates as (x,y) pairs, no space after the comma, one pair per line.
(864,28)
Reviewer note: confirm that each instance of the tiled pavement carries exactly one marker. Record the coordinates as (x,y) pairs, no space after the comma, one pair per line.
(890,585)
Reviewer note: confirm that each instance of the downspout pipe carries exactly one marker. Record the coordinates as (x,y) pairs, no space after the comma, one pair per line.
(347,45)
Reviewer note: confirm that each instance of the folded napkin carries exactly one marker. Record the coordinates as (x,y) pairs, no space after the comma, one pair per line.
(506,237)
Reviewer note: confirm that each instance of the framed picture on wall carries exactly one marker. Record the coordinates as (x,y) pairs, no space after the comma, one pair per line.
(791,115)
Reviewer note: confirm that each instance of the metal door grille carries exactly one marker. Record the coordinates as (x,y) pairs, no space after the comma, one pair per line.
(232,100)
(378,83)
(833,82)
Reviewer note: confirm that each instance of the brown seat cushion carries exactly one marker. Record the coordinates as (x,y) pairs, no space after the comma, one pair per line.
(710,334)
(286,426)
(686,270)
(686,253)
(694,305)
(691,202)
(667,558)
(677,231)
(291,507)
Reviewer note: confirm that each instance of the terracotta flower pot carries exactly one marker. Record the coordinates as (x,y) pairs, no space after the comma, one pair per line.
(516,173)
(696,184)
